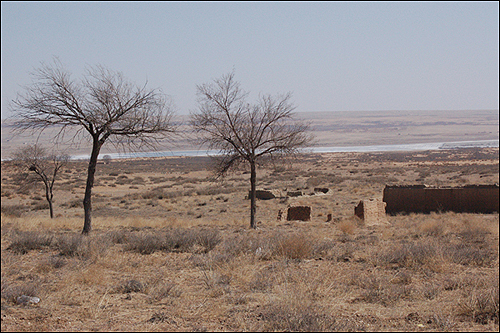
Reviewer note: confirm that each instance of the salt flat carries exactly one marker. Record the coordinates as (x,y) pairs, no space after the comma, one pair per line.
(331,129)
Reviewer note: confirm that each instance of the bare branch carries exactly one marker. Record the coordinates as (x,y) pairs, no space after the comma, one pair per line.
(103,104)
(242,132)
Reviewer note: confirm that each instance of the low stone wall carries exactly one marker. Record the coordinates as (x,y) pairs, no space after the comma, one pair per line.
(426,199)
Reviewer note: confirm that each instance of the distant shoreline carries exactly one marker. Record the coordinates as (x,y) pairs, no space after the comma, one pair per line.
(359,149)
(336,131)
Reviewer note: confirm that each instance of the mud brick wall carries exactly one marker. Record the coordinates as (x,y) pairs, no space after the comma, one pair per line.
(300,213)
(425,199)
(371,211)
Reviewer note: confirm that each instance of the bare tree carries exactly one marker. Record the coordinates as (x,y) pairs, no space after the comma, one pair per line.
(35,158)
(241,132)
(103,104)
(106,159)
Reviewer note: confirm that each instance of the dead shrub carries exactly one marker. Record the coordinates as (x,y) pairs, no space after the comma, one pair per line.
(431,228)
(184,240)
(263,280)
(295,246)
(11,292)
(162,291)
(208,239)
(75,203)
(14,210)
(131,286)
(144,243)
(246,244)
(378,291)
(298,315)
(474,235)
(481,302)
(69,245)
(465,254)
(323,248)
(82,246)
(24,241)
(430,290)
(53,262)
(414,255)
(118,236)
(40,205)
(347,226)
(176,240)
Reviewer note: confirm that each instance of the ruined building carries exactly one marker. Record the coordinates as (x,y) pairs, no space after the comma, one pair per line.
(426,199)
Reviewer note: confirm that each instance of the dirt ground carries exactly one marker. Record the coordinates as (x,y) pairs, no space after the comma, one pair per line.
(171,248)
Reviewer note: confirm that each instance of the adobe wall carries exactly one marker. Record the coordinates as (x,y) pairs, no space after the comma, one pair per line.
(426,199)
(300,213)
(372,211)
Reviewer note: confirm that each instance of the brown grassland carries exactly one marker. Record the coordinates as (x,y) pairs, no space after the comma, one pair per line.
(171,249)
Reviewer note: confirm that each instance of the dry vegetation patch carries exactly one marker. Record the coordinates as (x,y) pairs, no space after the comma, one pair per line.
(176,254)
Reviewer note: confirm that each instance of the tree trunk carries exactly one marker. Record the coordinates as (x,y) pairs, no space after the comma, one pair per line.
(51,209)
(253,206)
(87,200)
(49,196)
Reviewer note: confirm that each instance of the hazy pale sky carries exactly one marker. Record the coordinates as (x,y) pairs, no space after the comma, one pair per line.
(333,56)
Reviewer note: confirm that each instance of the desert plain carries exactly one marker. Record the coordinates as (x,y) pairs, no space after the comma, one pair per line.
(171,248)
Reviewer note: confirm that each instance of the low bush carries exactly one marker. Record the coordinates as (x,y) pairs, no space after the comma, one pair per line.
(481,302)
(11,292)
(82,246)
(176,240)
(465,254)
(163,290)
(24,241)
(295,246)
(144,243)
(130,286)
(14,210)
(415,255)
(299,315)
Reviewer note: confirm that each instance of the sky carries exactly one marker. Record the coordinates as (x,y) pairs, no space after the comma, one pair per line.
(332,56)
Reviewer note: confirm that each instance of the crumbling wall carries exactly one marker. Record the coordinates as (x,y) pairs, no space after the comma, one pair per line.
(265,194)
(300,213)
(372,211)
(426,199)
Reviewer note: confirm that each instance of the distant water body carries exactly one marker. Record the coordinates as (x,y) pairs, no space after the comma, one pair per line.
(358,149)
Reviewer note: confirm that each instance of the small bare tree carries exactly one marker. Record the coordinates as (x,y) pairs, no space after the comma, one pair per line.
(241,132)
(106,159)
(103,104)
(35,158)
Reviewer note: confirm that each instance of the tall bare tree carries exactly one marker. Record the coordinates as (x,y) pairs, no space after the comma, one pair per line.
(247,133)
(103,104)
(35,158)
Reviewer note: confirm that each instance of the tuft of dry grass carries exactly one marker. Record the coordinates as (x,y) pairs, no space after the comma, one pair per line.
(347,226)
(295,246)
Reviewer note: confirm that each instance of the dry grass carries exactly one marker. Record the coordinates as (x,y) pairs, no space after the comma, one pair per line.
(176,253)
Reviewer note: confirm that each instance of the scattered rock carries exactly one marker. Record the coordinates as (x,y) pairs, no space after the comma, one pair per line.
(24,300)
